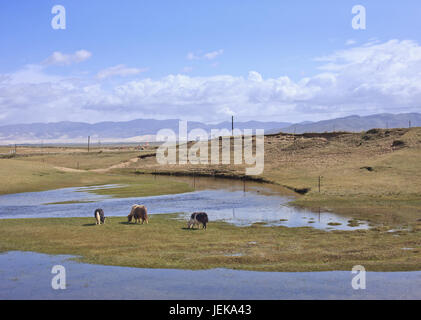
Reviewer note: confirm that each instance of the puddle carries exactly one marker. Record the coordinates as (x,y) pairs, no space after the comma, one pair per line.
(236,202)
(30,278)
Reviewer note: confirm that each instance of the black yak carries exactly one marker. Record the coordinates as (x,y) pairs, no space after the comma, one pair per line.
(99,216)
(198,218)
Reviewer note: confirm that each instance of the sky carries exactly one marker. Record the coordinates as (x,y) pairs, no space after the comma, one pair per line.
(207,60)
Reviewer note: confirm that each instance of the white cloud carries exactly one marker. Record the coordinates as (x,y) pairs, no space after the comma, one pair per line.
(31,73)
(62,59)
(205,56)
(371,78)
(212,55)
(119,70)
(350,42)
(255,76)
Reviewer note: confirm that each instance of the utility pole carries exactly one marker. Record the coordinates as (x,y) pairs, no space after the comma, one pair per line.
(410,124)
(232,125)
(89,141)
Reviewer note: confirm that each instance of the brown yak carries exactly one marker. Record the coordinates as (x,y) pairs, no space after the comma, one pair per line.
(138,212)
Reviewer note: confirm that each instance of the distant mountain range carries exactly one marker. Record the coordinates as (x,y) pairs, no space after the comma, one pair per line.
(145,129)
(358,124)
(129,131)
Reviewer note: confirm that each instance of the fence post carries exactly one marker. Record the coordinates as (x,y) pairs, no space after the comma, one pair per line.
(320,178)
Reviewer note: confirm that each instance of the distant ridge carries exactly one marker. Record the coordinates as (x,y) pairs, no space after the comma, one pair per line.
(358,123)
(127,131)
(145,129)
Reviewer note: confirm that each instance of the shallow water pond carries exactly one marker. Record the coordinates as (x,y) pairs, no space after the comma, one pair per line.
(237,202)
(30,278)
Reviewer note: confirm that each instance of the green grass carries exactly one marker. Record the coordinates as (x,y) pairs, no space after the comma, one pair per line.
(25,176)
(165,243)
(83,160)
(148,187)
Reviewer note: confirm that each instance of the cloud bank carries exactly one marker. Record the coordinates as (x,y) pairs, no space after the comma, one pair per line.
(366,79)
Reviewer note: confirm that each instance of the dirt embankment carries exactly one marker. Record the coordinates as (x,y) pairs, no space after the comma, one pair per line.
(285,152)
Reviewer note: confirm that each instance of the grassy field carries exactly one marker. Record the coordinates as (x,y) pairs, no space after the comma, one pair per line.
(79,159)
(25,176)
(84,160)
(165,243)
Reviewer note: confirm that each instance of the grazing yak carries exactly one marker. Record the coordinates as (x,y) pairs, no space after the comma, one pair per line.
(138,212)
(99,216)
(198,218)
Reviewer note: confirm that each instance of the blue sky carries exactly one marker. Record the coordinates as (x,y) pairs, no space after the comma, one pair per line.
(177,59)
